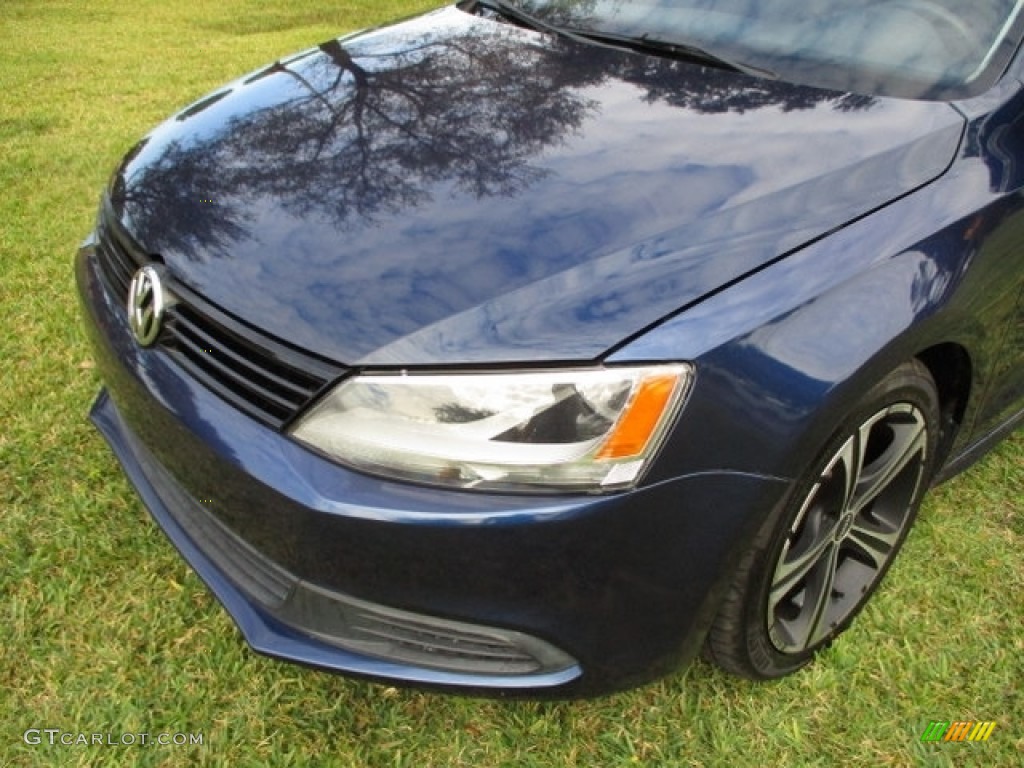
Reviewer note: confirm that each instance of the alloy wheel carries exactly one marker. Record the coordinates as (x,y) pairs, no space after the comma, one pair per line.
(847,529)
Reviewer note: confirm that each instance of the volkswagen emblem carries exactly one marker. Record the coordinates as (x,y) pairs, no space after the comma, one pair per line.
(147,302)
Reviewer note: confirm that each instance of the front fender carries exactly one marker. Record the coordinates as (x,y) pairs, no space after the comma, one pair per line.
(783,355)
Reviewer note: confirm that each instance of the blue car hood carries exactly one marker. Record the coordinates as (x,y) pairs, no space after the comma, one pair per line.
(453,189)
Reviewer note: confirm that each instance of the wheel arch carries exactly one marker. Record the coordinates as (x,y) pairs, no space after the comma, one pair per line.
(951,369)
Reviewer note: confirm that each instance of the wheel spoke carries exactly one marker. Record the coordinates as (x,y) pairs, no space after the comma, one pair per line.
(789,573)
(873,542)
(815,537)
(851,458)
(820,596)
(908,442)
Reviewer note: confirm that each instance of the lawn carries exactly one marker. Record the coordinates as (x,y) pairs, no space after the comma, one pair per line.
(105,630)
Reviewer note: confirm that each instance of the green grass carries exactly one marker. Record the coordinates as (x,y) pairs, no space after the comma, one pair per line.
(106,630)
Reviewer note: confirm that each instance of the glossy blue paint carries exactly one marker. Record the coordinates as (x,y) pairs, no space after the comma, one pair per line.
(265,633)
(454,191)
(590,573)
(796,343)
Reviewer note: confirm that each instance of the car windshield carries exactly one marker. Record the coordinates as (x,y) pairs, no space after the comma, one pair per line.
(927,49)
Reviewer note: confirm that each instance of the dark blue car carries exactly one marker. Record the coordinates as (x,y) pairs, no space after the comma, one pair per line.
(530,347)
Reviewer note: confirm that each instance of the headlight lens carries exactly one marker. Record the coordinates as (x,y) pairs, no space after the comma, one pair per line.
(574,430)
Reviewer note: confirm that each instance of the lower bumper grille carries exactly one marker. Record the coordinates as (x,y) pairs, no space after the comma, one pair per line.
(374,630)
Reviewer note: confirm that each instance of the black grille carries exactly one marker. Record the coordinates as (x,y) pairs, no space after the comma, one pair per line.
(259,375)
(417,641)
(269,380)
(119,256)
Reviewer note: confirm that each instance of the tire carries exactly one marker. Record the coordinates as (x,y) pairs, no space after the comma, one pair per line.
(819,557)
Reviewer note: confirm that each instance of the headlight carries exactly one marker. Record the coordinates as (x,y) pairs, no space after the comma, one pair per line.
(572,430)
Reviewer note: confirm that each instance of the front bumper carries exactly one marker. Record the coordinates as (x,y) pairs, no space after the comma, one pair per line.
(557,595)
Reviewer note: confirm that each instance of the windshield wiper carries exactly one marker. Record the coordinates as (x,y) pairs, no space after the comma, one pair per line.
(641,44)
(681,51)
(517,14)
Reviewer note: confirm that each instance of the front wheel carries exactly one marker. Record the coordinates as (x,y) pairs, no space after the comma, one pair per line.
(820,556)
